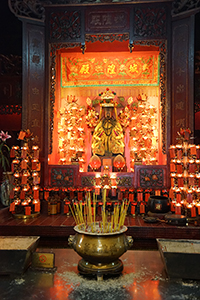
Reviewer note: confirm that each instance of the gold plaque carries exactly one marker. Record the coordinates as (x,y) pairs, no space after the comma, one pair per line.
(107,162)
(43,260)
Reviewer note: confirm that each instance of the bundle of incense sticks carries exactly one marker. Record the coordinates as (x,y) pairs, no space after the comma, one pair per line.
(85,215)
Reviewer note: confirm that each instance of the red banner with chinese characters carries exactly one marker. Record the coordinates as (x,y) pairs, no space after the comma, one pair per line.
(109,68)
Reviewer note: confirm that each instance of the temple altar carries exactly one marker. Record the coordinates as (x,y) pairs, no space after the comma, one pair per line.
(79,65)
(79,117)
(73,54)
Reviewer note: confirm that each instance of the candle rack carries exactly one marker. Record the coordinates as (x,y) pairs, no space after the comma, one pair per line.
(25,167)
(71,134)
(185,176)
(143,139)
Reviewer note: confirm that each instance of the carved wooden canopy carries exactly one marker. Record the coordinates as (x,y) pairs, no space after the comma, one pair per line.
(36,9)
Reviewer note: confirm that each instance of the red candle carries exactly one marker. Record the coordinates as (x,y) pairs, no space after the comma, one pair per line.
(192,209)
(173,203)
(193,150)
(193,212)
(157,192)
(13,151)
(35,152)
(24,164)
(172,151)
(173,179)
(179,153)
(179,169)
(191,166)
(98,180)
(97,191)
(27,210)
(142,208)
(191,179)
(189,197)
(36,178)
(172,167)
(35,192)
(131,197)
(126,194)
(38,166)
(46,195)
(171,193)
(147,195)
(113,182)
(22,195)
(66,207)
(14,164)
(133,209)
(12,207)
(139,195)
(114,192)
(34,163)
(120,195)
(178,197)
(71,195)
(180,181)
(37,205)
(24,178)
(178,209)
(24,152)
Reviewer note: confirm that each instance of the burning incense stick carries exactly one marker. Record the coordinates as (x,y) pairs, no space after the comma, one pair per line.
(84,215)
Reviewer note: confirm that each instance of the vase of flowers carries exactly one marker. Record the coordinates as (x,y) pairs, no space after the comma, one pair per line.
(6,185)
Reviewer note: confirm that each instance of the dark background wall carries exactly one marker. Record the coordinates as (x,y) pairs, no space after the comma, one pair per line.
(10,73)
(10,31)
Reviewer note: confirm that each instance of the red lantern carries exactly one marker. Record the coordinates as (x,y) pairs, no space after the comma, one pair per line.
(119,162)
(95,162)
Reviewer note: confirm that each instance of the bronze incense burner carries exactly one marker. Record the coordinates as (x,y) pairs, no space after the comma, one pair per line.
(100,251)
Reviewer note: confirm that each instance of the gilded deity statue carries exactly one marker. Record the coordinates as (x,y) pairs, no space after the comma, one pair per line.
(108,137)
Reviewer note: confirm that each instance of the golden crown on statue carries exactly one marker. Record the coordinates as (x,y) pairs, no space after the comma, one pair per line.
(107,98)
(142,97)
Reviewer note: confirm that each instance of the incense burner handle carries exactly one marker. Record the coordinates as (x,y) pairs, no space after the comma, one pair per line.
(72,241)
(129,242)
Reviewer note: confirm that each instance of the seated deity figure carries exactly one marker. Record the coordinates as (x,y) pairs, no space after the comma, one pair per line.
(108,137)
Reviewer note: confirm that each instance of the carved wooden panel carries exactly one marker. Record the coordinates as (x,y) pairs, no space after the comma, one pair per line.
(107,19)
(182,76)
(34,82)
(125,180)
(87,180)
(65,25)
(151,176)
(150,22)
(180,6)
(63,176)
